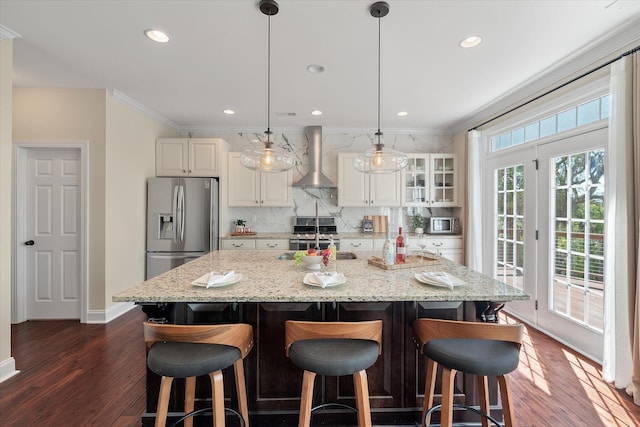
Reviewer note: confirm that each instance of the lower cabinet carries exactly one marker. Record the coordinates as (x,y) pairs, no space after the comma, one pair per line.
(396,380)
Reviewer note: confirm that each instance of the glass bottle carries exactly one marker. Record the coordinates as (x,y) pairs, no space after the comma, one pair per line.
(388,250)
(400,247)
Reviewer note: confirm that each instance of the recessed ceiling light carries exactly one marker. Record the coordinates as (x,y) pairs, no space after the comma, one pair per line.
(316,112)
(315,68)
(157,36)
(401,113)
(228,111)
(471,41)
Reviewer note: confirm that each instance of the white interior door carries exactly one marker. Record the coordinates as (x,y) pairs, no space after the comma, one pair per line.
(52,234)
(571,246)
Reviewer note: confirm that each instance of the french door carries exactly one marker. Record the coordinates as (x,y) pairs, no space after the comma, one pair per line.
(544,234)
(571,242)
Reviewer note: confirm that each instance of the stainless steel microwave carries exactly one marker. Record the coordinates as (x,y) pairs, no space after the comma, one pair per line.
(443,225)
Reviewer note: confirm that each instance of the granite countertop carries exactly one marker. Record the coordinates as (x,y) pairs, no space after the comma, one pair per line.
(265,278)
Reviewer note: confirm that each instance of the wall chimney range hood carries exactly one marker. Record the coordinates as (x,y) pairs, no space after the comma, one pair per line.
(314,178)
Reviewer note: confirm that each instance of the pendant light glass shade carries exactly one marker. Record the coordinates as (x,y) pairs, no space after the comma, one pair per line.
(378,159)
(267,158)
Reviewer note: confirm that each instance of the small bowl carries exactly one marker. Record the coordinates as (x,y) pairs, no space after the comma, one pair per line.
(312,262)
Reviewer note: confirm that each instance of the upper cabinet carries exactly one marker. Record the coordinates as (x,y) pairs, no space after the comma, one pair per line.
(188,156)
(251,188)
(430,180)
(360,189)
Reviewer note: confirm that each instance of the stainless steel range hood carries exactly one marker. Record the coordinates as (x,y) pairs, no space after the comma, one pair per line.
(314,178)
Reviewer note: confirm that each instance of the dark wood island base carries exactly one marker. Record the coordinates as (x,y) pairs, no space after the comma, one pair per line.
(396,381)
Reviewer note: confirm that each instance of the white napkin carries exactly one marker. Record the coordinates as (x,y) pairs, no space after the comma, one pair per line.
(441,277)
(325,278)
(215,278)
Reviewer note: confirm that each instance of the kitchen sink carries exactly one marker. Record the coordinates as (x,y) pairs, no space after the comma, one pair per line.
(339,255)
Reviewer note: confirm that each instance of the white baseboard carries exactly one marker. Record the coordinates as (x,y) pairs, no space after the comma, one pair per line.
(8,369)
(113,312)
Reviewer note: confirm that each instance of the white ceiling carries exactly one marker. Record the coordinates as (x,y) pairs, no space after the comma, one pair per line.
(217,56)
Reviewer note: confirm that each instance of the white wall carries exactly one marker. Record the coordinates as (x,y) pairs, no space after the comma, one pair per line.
(130,160)
(7,364)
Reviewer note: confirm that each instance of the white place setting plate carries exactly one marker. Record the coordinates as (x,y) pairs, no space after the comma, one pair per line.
(438,278)
(312,280)
(202,281)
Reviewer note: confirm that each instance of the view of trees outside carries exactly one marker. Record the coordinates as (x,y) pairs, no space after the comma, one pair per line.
(578,236)
(510,225)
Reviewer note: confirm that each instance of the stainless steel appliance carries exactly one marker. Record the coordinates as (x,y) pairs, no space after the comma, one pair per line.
(182,221)
(305,231)
(443,225)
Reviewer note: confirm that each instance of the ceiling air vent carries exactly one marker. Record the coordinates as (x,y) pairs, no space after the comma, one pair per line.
(284,114)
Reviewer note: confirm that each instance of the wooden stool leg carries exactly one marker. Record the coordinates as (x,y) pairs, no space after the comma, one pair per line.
(189,399)
(306,398)
(163,401)
(241,390)
(429,390)
(361,388)
(483,397)
(217,398)
(448,377)
(507,405)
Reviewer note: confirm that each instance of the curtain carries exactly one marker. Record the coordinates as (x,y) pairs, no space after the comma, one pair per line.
(621,358)
(473,247)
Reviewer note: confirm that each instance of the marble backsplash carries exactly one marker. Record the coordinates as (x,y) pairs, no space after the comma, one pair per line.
(264,219)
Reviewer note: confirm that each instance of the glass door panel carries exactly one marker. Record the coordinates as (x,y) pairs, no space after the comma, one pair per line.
(572,240)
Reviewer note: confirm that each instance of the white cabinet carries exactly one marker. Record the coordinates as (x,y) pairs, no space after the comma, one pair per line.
(361,189)
(281,244)
(251,188)
(356,244)
(449,247)
(237,244)
(188,156)
(430,180)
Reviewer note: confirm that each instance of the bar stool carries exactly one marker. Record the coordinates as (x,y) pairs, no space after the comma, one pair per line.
(335,349)
(481,349)
(186,351)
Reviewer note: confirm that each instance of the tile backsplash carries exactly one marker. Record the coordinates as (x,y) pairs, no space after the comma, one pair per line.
(349,219)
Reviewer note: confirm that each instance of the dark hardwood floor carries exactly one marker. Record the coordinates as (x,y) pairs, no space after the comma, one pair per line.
(94,375)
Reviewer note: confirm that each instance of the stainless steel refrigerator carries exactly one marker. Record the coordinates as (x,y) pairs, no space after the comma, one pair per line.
(182,221)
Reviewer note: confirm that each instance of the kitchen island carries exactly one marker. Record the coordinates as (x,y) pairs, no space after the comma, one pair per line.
(272,290)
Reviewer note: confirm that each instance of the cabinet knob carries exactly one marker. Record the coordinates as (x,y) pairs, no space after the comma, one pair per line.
(184,171)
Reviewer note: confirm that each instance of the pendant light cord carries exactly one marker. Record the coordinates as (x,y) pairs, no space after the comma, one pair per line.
(269,81)
(379,48)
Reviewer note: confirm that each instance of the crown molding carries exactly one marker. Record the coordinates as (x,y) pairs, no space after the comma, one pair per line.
(8,34)
(119,96)
(300,129)
(588,57)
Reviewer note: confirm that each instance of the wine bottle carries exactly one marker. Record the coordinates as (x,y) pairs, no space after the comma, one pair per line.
(388,251)
(400,248)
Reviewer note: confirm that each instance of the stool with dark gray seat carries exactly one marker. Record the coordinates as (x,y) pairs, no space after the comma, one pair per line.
(334,349)
(480,349)
(189,351)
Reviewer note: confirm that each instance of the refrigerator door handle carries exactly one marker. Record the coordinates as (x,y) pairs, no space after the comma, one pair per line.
(175,214)
(181,208)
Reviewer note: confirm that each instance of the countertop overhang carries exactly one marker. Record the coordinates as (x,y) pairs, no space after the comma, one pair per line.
(265,278)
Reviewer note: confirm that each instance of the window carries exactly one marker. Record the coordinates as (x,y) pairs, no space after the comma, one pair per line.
(580,115)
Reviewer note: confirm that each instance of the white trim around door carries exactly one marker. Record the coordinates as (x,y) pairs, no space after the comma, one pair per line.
(20,156)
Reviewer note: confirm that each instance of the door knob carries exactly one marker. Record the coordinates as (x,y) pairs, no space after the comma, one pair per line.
(29,243)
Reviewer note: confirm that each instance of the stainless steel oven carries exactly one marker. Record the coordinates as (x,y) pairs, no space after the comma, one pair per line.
(305,230)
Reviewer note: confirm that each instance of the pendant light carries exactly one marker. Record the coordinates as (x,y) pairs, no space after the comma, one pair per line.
(267,158)
(378,159)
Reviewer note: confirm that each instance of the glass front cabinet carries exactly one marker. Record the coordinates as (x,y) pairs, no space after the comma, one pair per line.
(430,180)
